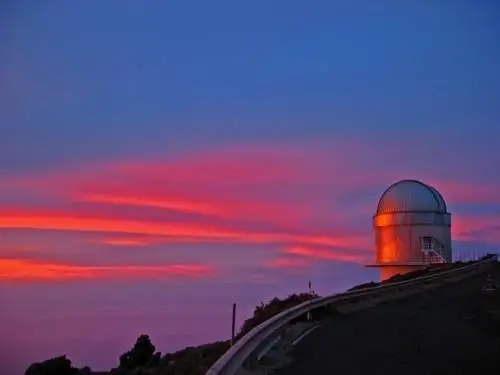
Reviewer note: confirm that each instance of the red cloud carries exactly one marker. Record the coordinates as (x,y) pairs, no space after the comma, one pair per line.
(210,206)
(56,221)
(259,184)
(22,269)
(327,254)
(125,242)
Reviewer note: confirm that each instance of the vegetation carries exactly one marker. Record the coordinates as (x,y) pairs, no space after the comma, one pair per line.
(56,366)
(265,311)
(141,355)
(193,360)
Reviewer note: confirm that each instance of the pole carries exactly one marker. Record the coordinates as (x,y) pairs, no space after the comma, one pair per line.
(233,326)
(308,315)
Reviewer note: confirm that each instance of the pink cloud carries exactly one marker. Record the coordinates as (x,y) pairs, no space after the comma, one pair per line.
(462,191)
(225,208)
(478,228)
(328,254)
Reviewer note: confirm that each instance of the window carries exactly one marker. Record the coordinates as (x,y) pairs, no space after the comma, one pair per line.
(427,243)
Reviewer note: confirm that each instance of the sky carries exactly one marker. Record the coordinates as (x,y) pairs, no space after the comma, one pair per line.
(160,161)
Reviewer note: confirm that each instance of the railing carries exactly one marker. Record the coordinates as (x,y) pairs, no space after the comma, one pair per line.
(233,359)
(433,251)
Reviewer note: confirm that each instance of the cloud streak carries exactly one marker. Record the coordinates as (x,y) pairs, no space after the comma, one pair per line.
(129,242)
(32,270)
(327,254)
(173,230)
(312,201)
(208,207)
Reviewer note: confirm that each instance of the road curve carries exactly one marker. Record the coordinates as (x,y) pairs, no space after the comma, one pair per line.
(434,333)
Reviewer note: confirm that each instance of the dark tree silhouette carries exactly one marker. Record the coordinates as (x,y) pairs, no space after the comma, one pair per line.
(142,354)
(54,366)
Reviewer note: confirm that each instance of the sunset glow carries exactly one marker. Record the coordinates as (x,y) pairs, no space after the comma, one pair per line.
(235,216)
(44,221)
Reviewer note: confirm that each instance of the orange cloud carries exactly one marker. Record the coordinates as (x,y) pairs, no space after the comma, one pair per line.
(21,269)
(124,242)
(325,254)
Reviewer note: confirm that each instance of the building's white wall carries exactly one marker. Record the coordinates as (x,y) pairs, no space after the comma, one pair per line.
(412,218)
(397,236)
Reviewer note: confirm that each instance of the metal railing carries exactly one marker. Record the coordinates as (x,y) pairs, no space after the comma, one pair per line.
(232,360)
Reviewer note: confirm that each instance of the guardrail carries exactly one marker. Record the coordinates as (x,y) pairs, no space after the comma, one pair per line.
(231,361)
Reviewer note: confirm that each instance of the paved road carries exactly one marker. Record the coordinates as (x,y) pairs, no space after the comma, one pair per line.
(429,334)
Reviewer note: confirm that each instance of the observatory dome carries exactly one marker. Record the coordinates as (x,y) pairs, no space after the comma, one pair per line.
(410,196)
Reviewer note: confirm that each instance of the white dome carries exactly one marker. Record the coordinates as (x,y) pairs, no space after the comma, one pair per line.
(410,196)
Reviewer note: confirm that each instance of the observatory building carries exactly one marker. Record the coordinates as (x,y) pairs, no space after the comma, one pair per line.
(412,228)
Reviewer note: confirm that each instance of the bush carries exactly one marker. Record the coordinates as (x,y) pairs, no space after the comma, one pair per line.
(264,312)
(54,366)
(193,360)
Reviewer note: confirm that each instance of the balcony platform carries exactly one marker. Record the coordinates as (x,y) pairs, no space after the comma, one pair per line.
(404,264)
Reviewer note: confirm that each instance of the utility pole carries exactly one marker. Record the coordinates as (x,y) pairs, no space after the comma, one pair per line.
(233,325)
(309,317)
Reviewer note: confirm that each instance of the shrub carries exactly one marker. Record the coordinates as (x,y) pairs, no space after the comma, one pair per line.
(54,366)
(264,312)
(142,354)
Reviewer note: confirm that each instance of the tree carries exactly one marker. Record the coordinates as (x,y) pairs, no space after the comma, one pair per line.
(141,354)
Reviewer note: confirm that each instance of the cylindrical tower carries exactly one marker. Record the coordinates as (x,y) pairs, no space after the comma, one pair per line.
(412,228)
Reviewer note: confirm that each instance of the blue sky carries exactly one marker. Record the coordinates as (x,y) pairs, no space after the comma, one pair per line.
(113,75)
